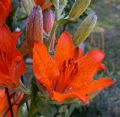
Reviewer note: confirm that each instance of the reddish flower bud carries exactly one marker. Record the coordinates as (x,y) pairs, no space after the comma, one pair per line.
(34,28)
(48,21)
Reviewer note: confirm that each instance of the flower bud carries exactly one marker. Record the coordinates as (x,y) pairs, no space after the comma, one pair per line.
(34,28)
(78,8)
(85,29)
(48,20)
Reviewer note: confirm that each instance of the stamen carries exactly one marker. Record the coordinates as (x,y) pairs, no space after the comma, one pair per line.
(69,70)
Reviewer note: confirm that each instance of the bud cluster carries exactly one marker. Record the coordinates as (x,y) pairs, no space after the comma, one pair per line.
(38,23)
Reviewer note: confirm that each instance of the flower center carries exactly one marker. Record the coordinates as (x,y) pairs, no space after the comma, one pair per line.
(68,71)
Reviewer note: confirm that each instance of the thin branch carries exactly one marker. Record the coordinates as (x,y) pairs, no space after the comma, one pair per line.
(14,103)
(27,105)
(52,33)
(9,101)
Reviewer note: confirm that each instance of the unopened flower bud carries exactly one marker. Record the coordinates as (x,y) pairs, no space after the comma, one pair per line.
(85,29)
(48,21)
(34,28)
(78,8)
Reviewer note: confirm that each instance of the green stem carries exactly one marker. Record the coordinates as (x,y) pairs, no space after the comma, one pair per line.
(52,33)
(27,105)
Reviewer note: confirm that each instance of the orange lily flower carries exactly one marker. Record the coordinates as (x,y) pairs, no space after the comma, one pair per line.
(5,105)
(43,4)
(5,8)
(11,62)
(70,72)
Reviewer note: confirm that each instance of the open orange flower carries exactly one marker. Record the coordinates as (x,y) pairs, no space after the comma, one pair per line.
(11,62)
(43,4)
(70,72)
(5,8)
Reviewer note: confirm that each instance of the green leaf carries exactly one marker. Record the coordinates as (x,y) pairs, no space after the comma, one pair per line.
(55,3)
(20,113)
(73,106)
(11,16)
(63,21)
(39,104)
(25,98)
(28,5)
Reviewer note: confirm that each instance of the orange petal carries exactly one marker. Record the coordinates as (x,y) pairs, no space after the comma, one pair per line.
(12,65)
(5,37)
(64,49)
(102,67)
(3,102)
(45,6)
(40,2)
(5,8)
(60,97)
(8,38)
(44,67)
(87,66)
(83,92)
(8,81)
(96,85)
(78,53)
(17,66)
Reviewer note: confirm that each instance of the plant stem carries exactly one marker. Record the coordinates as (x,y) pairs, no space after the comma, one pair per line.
(27,105)
(52,33)
(9,101)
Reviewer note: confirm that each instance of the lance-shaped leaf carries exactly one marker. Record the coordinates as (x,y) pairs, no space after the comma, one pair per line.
(28,5)
(85,29)
(39,104)
(55,3)
(78,8)
(63,4)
